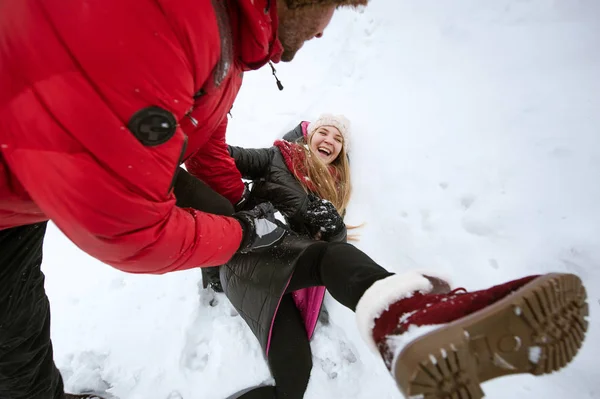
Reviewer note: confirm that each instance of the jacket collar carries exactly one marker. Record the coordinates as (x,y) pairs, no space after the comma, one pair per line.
(254,26)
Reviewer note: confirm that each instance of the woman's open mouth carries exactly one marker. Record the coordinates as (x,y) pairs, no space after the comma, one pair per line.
(324,151)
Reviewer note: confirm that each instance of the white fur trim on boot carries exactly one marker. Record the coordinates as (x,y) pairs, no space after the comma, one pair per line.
(378,297)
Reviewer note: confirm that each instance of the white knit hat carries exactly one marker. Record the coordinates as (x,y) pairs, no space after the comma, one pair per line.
(340,122)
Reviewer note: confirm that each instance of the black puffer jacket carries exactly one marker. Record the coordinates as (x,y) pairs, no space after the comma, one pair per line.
(273,181)
(256,281)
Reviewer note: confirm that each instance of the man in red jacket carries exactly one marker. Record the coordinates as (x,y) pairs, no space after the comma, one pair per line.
(100,102)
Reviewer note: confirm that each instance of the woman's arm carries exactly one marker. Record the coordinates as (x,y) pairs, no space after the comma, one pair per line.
(253,163)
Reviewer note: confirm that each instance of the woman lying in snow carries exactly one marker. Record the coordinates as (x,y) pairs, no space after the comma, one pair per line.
(532,325)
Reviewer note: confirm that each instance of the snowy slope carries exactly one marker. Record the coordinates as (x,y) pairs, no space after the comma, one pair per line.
(476,152)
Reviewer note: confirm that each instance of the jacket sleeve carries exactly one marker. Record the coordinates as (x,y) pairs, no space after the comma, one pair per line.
(287,195)
(213,165)
(106,191)
(64,128)
(252,163)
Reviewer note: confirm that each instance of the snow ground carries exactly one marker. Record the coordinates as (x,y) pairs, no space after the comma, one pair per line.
(476,152)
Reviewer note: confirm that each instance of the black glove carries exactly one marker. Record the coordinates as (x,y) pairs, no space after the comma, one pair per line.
(324,221)
(260,228)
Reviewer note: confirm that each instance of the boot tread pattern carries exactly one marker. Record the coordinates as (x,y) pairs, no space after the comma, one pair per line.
(538,330)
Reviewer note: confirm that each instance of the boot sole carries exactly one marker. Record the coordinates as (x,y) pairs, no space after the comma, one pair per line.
(537,329)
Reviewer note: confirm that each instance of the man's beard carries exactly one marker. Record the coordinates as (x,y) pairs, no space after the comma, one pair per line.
(288,55)
(293,32)
(291,45)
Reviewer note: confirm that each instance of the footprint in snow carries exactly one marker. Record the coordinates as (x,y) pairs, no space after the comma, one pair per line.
(324,317)
(331,352)
(85,372)
(208,297)
(196,357)
(426,223)
(467,200)
(478,228)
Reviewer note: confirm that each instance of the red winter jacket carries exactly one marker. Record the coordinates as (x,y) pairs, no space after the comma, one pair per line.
(73,76)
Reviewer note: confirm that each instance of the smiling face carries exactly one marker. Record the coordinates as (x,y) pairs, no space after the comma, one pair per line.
(327,143)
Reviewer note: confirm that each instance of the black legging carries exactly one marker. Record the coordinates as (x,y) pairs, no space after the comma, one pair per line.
(290,357)
(346,272)
(342,268)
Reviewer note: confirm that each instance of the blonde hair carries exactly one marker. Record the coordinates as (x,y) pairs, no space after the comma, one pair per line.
(334,187)
(330,182)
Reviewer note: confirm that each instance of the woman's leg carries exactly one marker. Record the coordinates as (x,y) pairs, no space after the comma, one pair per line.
(290,358)
(346,271)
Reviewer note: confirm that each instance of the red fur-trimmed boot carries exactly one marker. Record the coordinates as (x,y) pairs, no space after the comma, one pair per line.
(445,345)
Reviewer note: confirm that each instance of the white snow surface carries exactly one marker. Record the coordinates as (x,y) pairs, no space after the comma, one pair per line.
(476,129)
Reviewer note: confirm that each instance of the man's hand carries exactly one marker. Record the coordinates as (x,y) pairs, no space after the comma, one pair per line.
(260,228)
(324,221)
